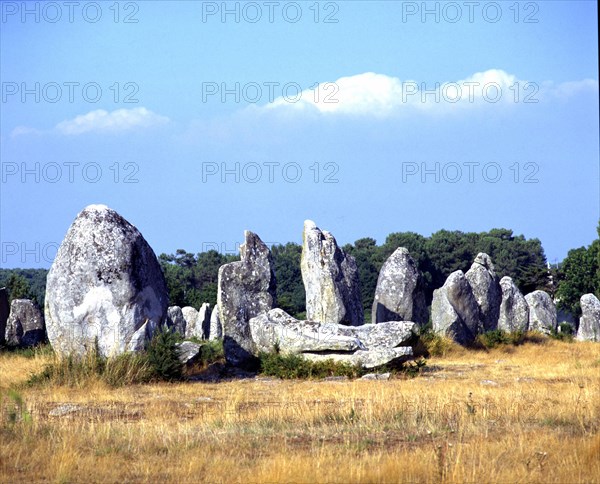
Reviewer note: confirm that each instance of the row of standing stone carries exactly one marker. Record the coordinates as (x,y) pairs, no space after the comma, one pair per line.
(106,289)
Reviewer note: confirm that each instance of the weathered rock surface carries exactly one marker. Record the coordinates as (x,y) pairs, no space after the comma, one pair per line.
(245,289)
(376,376)
(454,310)
(330,279)
(542,312)
(176,320)
(187,352)
(4,312)
(190,315)
(514,310)
(589,323)
(25,325)
(366,358)
(277,330)
(486,289)
(368,345)
(105,284)
(216,329)
(399,293)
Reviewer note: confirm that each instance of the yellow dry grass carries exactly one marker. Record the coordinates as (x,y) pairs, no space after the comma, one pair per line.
(510,415)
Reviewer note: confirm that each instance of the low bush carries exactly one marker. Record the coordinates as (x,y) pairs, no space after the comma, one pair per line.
(211,352)
(295,366)
(564,332)
(432,344)
(163,356)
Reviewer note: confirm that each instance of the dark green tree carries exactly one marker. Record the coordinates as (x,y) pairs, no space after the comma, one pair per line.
(578,275)
(18,287)
(291,296)
(368,261)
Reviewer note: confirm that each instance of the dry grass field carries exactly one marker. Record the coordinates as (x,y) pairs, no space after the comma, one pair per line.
(508,415)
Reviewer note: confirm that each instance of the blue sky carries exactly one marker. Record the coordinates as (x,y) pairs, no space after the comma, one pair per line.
(385,118)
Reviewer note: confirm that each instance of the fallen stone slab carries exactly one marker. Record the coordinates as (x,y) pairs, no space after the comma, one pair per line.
(365,358)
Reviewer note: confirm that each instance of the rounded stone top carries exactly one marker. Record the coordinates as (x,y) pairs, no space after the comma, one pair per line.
(588,299)
(96,207)
(485,260)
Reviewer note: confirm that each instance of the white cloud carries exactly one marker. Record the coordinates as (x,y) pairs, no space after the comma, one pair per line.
(571,88)
(379,95)
(115,121)
(24,130)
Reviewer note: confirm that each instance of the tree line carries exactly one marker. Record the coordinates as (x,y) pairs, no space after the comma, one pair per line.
(192,278)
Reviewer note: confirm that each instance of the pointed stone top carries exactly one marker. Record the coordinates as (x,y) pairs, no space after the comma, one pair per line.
(309,225)
(484,260)
(454,276)
(96,208)
(589,299)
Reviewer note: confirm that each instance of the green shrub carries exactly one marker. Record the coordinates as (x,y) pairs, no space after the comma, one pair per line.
(15,407)
(295,366)
(499,337)
(564,332)
(211,352)
(491,339)
(432,344)
(163,356)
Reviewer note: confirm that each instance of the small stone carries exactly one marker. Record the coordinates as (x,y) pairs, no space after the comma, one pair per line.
(376,376)
(542,312)
(176,320)
(399,294)
(188,352)
(514,310)
(190,315)
(216,328)
(486,289)
(454,310)
(589,323)
(25,326)
(64,409)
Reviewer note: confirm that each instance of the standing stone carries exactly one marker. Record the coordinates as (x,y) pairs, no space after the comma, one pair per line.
(589,323)
(542,312)
(4,312)
(203,321)
(330,278)
(176,320)
(486,289)
(514,311)
(454,310)
(105,285)
(245,289)
(25,326)
(190,315)
(216,329)
(399,294)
